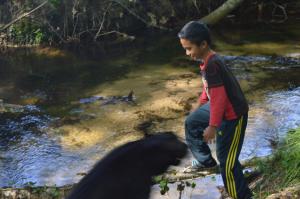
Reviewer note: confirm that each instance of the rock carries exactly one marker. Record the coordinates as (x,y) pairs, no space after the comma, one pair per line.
(10,108)
(294,55)
(287,61)
(35,193)
(2,109)
(90,99)
(117,99)
(288,193)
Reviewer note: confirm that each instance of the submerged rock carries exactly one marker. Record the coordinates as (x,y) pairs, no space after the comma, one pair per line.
(116,99)
(90,99)
(287,61)
(107,100)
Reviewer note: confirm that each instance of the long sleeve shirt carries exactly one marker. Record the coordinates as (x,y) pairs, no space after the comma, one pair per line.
(214,91)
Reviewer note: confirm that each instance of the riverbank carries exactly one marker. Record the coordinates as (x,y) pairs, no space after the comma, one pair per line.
(281,174)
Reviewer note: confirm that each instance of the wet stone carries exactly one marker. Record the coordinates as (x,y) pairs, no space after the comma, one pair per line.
(287,61)
(130,98)
(90,99)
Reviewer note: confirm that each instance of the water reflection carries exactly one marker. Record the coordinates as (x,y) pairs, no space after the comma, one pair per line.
(31,152)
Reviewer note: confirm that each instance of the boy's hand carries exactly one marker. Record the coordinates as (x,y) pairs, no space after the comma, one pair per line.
(209,134)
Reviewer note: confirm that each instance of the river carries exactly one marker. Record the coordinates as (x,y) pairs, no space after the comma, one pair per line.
(75,108)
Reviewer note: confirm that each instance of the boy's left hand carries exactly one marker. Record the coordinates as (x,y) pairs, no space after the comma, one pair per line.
(209,134)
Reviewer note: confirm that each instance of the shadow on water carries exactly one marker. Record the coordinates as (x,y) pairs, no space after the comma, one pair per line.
(50,77)
(71,128)
(56,80)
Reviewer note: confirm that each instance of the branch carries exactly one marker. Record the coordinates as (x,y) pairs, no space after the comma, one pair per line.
(196,5)
(23,15)
(118,33)
(221,11)
(57,34)
(276,5)
(102,23)
(52,29)
(138,17)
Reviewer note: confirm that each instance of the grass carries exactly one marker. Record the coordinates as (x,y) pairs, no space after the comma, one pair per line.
(283,170)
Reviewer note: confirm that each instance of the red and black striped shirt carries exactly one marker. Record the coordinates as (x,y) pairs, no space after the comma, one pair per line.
(222,89)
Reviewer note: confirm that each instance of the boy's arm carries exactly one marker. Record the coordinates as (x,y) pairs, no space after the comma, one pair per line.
(217,92)
(218,100)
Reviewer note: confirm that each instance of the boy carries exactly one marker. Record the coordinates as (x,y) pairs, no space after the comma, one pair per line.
(222,112)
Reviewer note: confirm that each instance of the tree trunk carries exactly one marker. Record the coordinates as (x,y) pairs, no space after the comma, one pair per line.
(221,12)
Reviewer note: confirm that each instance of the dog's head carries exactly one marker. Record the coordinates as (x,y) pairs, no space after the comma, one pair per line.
(162,150)
(149,156)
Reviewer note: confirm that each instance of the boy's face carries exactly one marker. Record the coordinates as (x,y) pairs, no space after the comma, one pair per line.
(193,50)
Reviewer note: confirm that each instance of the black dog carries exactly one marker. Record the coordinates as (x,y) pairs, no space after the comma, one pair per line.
(127,171)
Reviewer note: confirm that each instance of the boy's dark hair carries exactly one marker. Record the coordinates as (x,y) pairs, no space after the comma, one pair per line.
(196,32)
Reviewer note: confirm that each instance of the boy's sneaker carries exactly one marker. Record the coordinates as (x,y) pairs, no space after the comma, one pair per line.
(196,166)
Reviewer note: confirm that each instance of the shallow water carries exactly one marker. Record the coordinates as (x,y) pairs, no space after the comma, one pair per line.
(71,131)
(269,121)
(205,189)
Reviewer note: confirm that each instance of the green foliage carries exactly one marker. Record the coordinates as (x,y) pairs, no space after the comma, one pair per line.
(26,32)
(193,185)
(157,179)
(180,186)
(290,154)
(82,21)
(38,36)
(29,184)
(54,192)
(283,169)
(164,188)
(213,178)
(55,3)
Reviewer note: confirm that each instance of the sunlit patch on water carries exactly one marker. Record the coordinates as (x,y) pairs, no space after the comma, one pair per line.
(76,137)
(42,161)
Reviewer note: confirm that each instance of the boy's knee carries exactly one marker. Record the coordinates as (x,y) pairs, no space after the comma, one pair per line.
(188,121)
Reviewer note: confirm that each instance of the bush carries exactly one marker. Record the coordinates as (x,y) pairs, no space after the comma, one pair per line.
(283,169)
(26,32)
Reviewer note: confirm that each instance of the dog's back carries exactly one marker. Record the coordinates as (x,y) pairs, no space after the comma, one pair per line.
(127,171)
